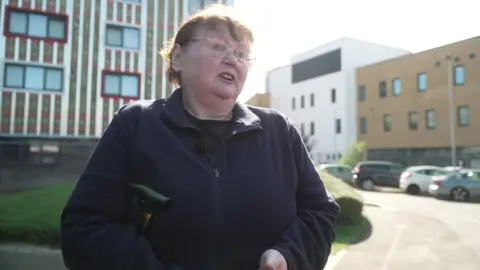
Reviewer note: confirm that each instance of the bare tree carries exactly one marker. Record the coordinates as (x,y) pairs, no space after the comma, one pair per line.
(309,142)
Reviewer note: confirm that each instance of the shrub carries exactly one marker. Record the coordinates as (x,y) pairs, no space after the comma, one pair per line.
(349,199)
(354,154)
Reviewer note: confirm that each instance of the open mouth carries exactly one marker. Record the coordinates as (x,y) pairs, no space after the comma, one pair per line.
(227,76)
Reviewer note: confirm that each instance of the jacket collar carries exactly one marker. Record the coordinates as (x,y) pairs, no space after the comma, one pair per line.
(174,112)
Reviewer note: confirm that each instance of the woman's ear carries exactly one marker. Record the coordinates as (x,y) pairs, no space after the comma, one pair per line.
(177,55)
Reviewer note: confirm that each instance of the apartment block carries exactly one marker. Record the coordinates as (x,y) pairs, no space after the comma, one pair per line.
(403,106)
(66,66)
(317,90)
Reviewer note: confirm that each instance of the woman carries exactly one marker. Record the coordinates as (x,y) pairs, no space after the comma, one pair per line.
(244,192)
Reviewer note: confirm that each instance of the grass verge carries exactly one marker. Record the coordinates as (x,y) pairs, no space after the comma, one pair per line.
(33,216)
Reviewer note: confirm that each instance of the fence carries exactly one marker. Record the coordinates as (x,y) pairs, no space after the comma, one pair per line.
(28,163)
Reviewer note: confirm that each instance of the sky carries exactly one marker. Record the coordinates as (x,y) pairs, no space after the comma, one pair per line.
(284,28)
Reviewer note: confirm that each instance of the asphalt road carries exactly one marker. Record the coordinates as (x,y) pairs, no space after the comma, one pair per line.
(416,233)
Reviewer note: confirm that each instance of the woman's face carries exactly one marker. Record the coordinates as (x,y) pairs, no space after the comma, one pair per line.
(213,64)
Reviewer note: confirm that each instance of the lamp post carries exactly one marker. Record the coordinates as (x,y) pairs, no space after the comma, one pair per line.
(453,153)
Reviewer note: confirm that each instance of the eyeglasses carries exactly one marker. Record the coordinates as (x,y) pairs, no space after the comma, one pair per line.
(220,49)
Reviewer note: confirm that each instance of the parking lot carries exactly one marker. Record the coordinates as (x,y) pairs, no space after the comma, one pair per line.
(416,232)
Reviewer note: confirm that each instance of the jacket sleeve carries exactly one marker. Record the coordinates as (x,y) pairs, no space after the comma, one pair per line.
(95,231)
(306,243)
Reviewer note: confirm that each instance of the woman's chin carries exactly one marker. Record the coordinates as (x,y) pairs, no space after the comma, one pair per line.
(227,93)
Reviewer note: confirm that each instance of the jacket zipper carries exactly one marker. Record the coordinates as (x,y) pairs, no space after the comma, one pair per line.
(216,228)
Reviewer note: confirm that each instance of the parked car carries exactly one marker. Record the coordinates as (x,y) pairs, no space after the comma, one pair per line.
(340,171)
(368,174)
(457,186)
(416,179)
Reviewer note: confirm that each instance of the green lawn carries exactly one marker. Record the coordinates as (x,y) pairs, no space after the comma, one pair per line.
(34,216)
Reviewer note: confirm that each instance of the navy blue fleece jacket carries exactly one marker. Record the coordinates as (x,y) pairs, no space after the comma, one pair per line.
(265,193)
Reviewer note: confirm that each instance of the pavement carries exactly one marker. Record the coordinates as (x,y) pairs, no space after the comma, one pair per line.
(416,233)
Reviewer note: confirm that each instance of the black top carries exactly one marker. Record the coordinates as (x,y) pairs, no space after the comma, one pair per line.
(263,193)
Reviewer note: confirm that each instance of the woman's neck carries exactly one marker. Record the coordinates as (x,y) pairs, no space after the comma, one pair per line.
(199,110)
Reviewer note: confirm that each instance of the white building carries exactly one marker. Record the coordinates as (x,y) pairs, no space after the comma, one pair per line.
(317,91)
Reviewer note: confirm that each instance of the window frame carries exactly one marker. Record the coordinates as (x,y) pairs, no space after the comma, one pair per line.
(382,89)
(427,124)
(419,76)
(459,122)
(362,93)
(393,87)
(118,73)
(363,125)
(385,128)
(51,16)
(455,81)
(122,29)
(338,126)
(411,125)
(24,81)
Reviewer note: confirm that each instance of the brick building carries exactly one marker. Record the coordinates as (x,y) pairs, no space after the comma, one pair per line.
(403,106)
(66,66)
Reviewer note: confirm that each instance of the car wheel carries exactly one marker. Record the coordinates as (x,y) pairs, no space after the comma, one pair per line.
(459,194)
(368,184)
(413,190)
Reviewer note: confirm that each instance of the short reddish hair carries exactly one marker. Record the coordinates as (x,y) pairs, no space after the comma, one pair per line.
(211,17)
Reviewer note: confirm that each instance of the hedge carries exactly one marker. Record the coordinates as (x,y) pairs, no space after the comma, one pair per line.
(349,199)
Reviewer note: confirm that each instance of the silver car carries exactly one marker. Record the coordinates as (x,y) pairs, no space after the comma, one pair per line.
(462,185)
(339,171)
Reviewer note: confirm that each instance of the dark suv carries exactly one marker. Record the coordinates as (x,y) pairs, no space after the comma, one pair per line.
(368,174)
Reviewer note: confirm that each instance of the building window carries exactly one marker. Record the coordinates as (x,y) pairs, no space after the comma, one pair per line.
(125,37)
(387,123)
(31,77)
(37,25)
(459,75)
(338,126)
(412,121)
(312,128)
(302,129)
(422,82)
(430,119)
(312,99)
(302,102)
(362,93)
(383,89)
(121,85)
(363,125)
(333,95)
(463,116)
(293,103)
(397,87)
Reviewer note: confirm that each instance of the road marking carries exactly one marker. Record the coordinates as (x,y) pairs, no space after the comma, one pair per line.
(389,256)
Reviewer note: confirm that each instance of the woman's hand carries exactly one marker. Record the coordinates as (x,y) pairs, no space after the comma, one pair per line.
(273,260)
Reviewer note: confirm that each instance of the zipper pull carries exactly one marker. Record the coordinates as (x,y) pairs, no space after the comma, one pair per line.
(216,172)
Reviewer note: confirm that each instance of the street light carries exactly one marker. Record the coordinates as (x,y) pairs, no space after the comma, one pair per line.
(453,153)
